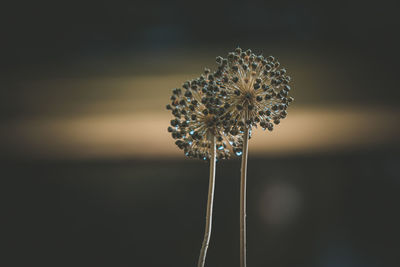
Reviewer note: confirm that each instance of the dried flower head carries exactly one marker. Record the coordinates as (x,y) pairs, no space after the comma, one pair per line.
(200,112)
(257,90)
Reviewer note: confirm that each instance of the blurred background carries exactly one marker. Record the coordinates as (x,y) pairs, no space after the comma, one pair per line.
(90,176)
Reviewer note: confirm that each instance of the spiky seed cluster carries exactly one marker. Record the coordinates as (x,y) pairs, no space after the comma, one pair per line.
(199,111)
(257,90)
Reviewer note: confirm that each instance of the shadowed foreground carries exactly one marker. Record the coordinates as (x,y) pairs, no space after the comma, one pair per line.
(336,210)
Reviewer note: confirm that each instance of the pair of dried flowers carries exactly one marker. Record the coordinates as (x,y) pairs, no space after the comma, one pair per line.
(215,113)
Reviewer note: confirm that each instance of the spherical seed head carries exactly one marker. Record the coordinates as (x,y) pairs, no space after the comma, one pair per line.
(257,90)
(200,115)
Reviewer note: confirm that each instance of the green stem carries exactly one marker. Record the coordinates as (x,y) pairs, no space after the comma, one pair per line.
(210,201)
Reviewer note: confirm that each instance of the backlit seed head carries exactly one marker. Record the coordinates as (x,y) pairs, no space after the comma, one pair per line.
(200,112)
(257,90)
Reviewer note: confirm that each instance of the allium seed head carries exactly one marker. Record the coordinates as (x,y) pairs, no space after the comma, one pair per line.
(257,90)
(200,115)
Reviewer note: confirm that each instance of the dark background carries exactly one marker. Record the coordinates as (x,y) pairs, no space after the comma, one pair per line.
(323,207)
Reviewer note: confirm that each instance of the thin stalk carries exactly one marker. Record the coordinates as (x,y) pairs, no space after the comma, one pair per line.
(210,201)
(243,184)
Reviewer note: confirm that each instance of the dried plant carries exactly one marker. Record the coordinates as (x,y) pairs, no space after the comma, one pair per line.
(217,111)
(257,93)
(199,110)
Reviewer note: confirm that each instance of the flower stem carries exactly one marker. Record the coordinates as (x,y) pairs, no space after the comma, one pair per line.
(243,183)
(210,201)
